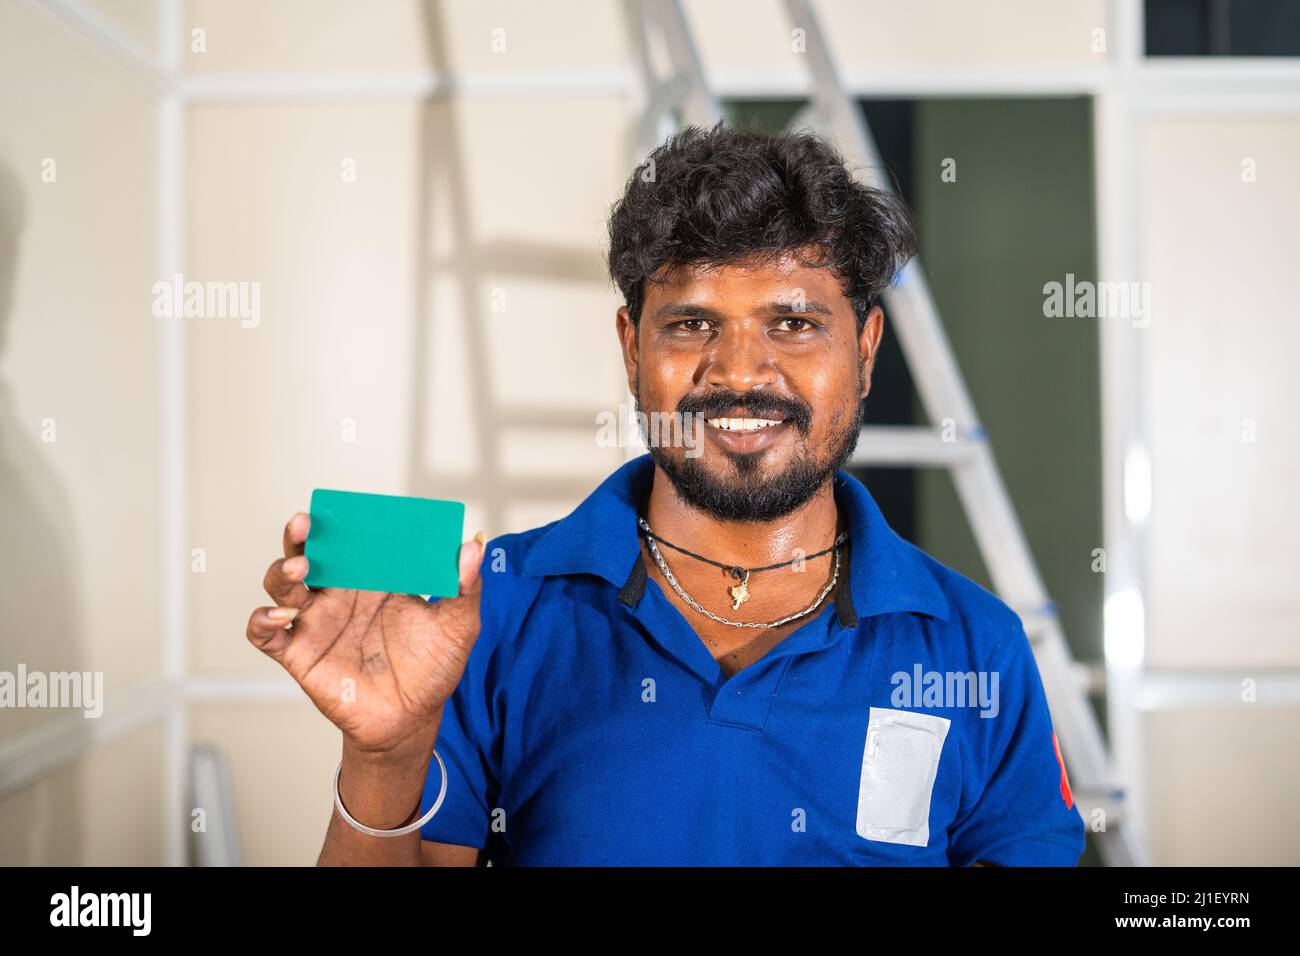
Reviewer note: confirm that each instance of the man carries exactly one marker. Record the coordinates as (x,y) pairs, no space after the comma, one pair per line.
(724,655)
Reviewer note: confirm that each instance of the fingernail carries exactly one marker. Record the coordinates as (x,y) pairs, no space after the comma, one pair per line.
(282,615)
(480,537)
(294,566)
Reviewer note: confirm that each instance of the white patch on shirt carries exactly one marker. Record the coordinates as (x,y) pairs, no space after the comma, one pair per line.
(899,764)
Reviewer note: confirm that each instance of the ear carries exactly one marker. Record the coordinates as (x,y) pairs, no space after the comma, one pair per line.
(869,345)
(629,342)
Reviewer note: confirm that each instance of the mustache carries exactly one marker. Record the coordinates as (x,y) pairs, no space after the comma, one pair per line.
(759,404)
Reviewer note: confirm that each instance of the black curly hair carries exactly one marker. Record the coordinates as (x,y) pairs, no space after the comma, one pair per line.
(725,195)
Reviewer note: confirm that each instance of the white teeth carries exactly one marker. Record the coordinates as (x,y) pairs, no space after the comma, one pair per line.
(742,424)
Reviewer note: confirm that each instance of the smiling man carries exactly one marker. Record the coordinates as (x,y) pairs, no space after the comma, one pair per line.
(711,660)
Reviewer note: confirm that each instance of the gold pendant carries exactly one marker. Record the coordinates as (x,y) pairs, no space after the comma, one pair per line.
(740,593)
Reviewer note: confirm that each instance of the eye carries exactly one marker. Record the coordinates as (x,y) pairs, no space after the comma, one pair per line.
(807,325)
(689,325)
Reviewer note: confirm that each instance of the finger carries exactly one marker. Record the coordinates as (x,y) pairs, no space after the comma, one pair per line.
(459,616)
(471,563)
(268,629)
(295,534)
(283,582)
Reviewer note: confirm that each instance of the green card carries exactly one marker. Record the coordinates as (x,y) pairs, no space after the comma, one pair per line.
(384,543)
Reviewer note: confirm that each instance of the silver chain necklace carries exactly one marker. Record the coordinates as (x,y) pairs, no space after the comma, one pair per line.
(663,566)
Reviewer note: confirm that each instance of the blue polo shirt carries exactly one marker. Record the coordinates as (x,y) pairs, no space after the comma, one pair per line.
(905,723)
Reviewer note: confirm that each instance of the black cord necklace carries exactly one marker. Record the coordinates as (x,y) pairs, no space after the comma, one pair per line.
(739,593)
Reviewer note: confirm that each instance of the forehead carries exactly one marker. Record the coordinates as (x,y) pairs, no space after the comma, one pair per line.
(754,278)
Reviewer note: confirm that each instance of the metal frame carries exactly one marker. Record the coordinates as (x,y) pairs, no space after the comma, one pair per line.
(1126,89)
(1119,254)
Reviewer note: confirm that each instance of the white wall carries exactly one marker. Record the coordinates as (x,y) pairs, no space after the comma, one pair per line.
(78,513)
(1219,396)
(1220,390)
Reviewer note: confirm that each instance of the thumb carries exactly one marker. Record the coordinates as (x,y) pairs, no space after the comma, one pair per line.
(471,560)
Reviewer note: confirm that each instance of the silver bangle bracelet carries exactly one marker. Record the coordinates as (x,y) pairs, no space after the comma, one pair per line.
(400,831)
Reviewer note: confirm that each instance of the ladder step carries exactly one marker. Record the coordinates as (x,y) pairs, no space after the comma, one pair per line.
(904,445)
(1090,676)
(1109,800)
(1037,620)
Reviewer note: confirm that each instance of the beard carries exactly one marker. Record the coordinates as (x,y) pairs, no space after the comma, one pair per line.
(749,495)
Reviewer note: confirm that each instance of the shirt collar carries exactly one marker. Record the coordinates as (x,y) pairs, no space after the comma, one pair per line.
(885,573)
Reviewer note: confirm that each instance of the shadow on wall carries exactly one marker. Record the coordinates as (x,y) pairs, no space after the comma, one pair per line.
(40,614)
(468,266)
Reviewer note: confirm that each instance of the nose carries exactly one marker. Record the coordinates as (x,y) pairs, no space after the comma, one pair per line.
(740,359)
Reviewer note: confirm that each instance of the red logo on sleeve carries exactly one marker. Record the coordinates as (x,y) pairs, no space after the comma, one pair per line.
(1065,781)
